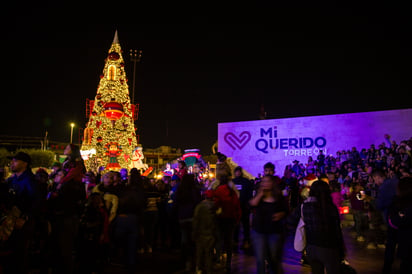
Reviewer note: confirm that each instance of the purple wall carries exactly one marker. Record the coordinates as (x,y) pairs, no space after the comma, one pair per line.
(281,141)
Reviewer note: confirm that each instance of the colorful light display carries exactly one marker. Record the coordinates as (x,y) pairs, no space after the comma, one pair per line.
(110,134)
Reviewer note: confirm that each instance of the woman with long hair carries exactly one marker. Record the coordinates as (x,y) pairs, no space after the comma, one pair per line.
(325,248)
(267,226)
(74,164)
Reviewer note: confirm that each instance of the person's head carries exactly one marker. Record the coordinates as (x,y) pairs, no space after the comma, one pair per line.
(107,179)
(221,157)
(59,175)
(56,166)
(135,178)
(334,186)
(89,178)
(238,171)
(271,185)
(160,185)
(324,178)
(42,176)
(181,164)
(269,169)
(224,179)
(356,186)
(117,178)
(331,176)
(72,151)
(321,191)
(196,168)
(167,179)
(123,173)
(20,162)
(309,179)
(223,169)
(184,190)
(378,176)
(95,200)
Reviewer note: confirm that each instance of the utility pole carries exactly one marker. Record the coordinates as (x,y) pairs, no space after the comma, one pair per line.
(135,57)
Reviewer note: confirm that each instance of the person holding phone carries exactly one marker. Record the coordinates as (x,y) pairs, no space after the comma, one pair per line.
(359,211)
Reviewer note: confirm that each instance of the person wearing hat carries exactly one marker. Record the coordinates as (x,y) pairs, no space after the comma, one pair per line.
(297,168)
(22,183)
(22,186)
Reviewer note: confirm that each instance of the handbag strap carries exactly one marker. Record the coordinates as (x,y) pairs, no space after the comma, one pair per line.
(301,212)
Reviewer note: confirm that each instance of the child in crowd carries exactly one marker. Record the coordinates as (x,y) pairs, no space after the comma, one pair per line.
(205,233)
(359,211)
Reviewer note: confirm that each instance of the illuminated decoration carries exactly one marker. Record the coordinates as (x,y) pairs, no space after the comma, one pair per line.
(137,159)
(114,56)
(110,130)
(87,153)
(148,171)
(113,150)
(344,210)
(113,110)
(111,73)
(88,134)
(252,144)
(191,156)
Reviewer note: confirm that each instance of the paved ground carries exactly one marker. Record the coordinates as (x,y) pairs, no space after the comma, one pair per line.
(365,261)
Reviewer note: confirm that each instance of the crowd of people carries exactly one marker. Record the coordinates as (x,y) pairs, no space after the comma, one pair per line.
(76,221)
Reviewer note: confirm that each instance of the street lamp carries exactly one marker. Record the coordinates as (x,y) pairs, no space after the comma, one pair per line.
(135,57)
(71,132)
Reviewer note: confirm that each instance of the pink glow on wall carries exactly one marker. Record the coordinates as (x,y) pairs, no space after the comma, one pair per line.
(251,144)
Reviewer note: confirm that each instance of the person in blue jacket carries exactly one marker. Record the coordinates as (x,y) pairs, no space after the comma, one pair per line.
(386,196)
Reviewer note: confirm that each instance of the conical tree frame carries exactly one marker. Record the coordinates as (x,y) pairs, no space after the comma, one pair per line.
(110,134)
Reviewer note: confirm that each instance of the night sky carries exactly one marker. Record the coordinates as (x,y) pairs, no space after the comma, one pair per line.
(200,68)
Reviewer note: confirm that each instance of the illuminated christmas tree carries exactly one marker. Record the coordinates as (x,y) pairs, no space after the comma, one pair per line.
(109,139)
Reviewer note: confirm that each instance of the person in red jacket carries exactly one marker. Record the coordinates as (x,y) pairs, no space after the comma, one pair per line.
(67,209)
(74,164)
(228,216)
(182,169)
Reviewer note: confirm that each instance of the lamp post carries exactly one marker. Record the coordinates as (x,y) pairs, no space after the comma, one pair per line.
(135,57)
(71,132)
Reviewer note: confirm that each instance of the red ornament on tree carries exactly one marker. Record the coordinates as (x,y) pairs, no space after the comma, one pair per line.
(114,56)
(113,110)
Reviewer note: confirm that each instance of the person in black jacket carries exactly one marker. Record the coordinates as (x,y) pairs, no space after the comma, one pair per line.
(126,223)
(245,188)
(400,219)
(325,248)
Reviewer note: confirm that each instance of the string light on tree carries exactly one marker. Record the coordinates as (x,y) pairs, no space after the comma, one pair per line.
(110,138)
